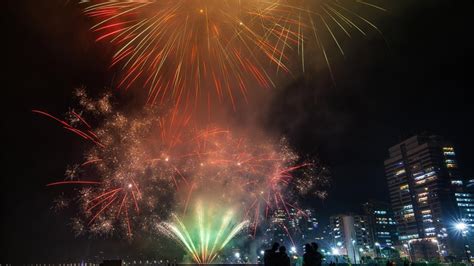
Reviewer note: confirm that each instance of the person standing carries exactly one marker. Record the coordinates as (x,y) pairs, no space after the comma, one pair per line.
(282,259)
(318,257)
(308,256)
(270,255)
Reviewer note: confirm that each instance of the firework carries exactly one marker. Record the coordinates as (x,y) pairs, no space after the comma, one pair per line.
(202,50)
(205,234)
(118,184)
(145,165)
(257,174)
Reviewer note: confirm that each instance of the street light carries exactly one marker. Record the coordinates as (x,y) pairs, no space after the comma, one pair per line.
(354,251)
(377,248)
(293,249)
(461,227)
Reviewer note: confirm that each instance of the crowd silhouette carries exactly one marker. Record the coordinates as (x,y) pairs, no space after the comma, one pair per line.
(277,256)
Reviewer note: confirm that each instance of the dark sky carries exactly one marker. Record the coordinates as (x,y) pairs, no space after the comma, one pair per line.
(414,79)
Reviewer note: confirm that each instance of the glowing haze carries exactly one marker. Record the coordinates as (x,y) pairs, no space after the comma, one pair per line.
(144,166)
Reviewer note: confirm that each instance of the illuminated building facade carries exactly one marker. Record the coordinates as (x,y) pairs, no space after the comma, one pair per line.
(382,224)
(291,227)
(324,238)
(351,235)
(423,179)
(465,203)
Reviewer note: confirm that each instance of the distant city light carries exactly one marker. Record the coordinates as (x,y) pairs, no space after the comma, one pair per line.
(237,255)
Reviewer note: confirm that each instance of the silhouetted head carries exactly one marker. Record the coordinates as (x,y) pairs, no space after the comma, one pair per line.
(282,249)
(315,246)
(275,246)
(307,248)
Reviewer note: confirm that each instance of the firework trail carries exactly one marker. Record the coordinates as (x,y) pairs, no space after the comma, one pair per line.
(197,51)
(118,186)
(204,235)
(144,166)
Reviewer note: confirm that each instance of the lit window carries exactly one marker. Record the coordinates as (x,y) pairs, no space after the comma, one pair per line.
(423,199)
(404,187)
(399,172)
(423,194)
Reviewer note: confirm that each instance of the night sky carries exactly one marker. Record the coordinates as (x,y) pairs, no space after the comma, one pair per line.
(415,77)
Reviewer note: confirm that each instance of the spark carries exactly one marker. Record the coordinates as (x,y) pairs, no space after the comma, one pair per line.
(141,167)
(192,52)
(204,236)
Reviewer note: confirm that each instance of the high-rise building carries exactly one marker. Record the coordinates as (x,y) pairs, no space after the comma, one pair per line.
(423,179)
(291,227)
(307,225)
(351,235)
(383,229)
(324,237)
(465,222)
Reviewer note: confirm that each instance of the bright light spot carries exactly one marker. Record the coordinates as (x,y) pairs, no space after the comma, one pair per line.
(293,249)
(377,244)
(262,252)
(237,255)
(167,159)
(241,23)
(201,10)
(130,185)
(460,226)
(239,164)
(339,244)
(335,251)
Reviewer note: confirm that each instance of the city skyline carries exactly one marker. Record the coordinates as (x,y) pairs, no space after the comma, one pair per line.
(386,89)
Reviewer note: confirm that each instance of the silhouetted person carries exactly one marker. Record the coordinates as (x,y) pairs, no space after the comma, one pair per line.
(309,259)
(406,263)
(389,263)
(270,256)
(282,258)
(318,257)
